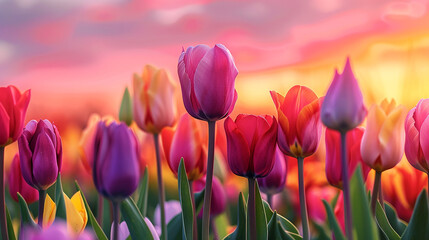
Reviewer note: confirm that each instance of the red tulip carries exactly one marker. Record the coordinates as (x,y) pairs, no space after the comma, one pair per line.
(17,183)
(185,142)
(13,106)
(417,137)
(207,77)
(251,144)
(343,107)
(333,155)
(299,124)
(275,181)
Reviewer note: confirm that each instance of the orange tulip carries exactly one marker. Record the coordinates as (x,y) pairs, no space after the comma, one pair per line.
(153,100)
(300,127)
(383,141)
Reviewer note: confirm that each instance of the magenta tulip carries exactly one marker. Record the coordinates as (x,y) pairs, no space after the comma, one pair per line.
(17,184)
(207,78)
(218,203)
(275,181)
(251,144)
(40,150)
(343,108)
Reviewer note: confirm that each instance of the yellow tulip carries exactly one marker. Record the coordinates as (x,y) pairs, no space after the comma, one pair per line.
(76,213)
(49,212)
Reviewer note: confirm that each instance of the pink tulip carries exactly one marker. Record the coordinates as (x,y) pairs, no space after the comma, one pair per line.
(13,106)
(383,141)
(275,181)
(17,184)
(299,125)
(417,137)
(251,144)
(153,100)
(207,77)
(343,108)
(333,155)
(218,203)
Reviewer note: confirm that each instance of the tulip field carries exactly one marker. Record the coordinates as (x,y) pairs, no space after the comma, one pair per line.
(250,126)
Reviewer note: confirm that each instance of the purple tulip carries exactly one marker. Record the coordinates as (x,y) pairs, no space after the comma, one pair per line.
(276,179)
(116,167)
(40,150)
(343,108)
(207,77)
(58,230)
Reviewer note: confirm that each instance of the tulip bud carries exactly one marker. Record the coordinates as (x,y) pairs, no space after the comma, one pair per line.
(275,181)
(251,144)
(13,106)
(383,141)
(185,142)
(343,108)
(417,137)
(299,125)
(333,155)
(17,183)
(207,77)
(116,166)
(76,213)
(154,103)
(126,110)
(40,150)
(218,203)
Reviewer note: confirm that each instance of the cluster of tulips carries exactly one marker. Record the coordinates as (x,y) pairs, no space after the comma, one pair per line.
(256,150)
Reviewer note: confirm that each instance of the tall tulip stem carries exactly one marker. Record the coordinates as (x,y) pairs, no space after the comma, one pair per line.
(161,192)
(375,191)
(209,180)
(115,220)
(42,196)
(302,200)
(195,227)
(251,209)
(346,188)
(2,201)
(100,210)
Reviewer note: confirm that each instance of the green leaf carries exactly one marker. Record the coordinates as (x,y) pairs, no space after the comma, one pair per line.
(384,224)
(10,230)
(397,224)
(135,221)
(185,201)
(261,219)
(126,110)
(286,224)
(95,226)
(363,222)
(418,227)
(240,231)
(59,200)
(275,229)
(333,224)
(143,193)
(26,218)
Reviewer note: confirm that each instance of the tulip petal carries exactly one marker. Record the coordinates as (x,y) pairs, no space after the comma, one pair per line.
(140,108)
(333,156)
(8,100)
(26,159)
(76,213)
(4,126)
(277,98)
(283,131)
(265,148)
(238,150)
(421,112)
(424,143)
(412,142)
(45,166)
(20,111)
(49,212)
(309,127)
(370,147)
(193,57)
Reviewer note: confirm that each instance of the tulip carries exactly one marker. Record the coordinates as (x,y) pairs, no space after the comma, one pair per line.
(185,142)
(251,144)
(13,106)
(17,184)
(49,210)
(383,141)
(342,110)
(333,157)
(172,208)
(218,204)
(116,166)
(40,150)
(58,230)
(76,213)
(275,181)
(124,232)
(153,100)
(300,128)
(207,78)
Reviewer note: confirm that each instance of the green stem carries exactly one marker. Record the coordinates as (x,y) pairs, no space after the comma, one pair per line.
(4,233)
(100,210)
(375,191)
(380,193)
(302,200)
(270,199)
(346,190)
(42,196)
(115,220)
(161,193)
(209,179)
(195,226)
(251,209)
